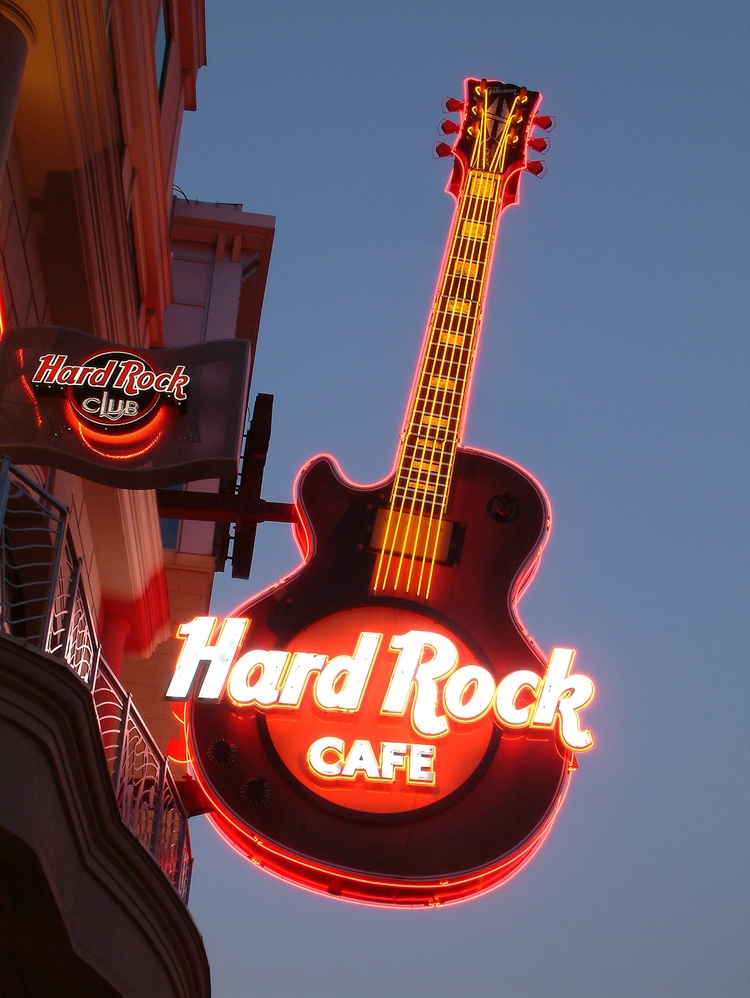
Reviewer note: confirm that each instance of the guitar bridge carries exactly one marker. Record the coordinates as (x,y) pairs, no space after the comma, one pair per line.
(422,538)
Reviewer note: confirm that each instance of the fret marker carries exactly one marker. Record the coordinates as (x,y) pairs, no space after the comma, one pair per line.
(452,339)
(445,383)
(465,268)
(455,305)
(474,230)
(482,187)
(427,466)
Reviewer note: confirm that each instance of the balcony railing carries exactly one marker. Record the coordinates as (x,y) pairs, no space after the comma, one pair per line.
(43,600)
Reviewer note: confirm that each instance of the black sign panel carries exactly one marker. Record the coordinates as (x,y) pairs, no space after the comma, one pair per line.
(130,418)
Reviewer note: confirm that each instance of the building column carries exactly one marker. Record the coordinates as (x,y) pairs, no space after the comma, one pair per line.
(115,630)
(16,39)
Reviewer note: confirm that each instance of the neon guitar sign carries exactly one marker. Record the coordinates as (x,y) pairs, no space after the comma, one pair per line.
(378,725)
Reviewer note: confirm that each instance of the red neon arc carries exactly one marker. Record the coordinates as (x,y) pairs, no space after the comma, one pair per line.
(379,725)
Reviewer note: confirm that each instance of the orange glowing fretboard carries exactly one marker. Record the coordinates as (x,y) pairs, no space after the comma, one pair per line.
(434,422)
(412,535)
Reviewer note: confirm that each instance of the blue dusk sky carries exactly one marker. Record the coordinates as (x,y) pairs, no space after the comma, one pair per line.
(613,365)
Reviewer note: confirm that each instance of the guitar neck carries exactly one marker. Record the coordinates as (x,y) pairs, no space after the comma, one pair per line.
(434,422)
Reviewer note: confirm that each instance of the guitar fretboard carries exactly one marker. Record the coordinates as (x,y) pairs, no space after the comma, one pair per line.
(434,422)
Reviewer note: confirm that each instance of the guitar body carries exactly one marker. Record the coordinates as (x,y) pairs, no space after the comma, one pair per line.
(467,840)
(477,595)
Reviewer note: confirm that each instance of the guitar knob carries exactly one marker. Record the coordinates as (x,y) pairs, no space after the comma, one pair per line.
(539,145)
(451,105)
(537,167)
(441,150)
(544,121)
(449,127)
(504,508)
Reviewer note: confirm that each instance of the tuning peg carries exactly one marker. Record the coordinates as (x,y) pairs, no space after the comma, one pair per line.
(451,105)
(540,145)
(448,127)
(544,121)
(441,150)
(536,166)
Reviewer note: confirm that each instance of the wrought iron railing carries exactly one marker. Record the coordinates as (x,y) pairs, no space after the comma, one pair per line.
(43,600)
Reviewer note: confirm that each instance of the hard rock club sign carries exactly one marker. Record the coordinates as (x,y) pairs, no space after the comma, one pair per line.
(114,398)
(129,418)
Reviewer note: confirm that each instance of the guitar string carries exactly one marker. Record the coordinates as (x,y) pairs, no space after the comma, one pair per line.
(402,482)
(491,219)
(484,210)
(482,205)
(475,201)
(423,404)
(451,361)
(427,398)
(440,374)
(461,248)
(477,188)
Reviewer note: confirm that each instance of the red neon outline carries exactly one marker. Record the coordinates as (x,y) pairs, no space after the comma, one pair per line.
(25,383)
(317,877)
(84,432)
(314,876)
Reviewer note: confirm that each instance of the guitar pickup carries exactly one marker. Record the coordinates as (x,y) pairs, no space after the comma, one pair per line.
(419,537)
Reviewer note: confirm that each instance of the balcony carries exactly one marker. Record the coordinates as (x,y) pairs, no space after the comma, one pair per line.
(43,603)
(95,856)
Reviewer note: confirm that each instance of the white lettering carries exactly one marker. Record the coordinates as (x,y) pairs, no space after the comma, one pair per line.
(361,759)
(468,693)
(564,695)
(507,692)
(254,677)
(317,751)
(392,757)
(410,670)
(197,649)
(280,678)
(303,665)
(416,760)
(421,758)
(341,684)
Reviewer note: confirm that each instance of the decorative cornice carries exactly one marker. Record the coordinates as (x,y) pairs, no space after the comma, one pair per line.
(21,19)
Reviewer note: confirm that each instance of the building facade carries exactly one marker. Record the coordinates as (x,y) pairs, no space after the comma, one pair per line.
(94,843)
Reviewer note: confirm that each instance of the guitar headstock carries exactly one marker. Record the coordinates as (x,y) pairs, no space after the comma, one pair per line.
(494,134)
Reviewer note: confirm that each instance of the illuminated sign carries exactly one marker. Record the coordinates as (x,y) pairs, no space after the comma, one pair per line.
(373,713)
(129,418)
(114,398)
(379,725)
